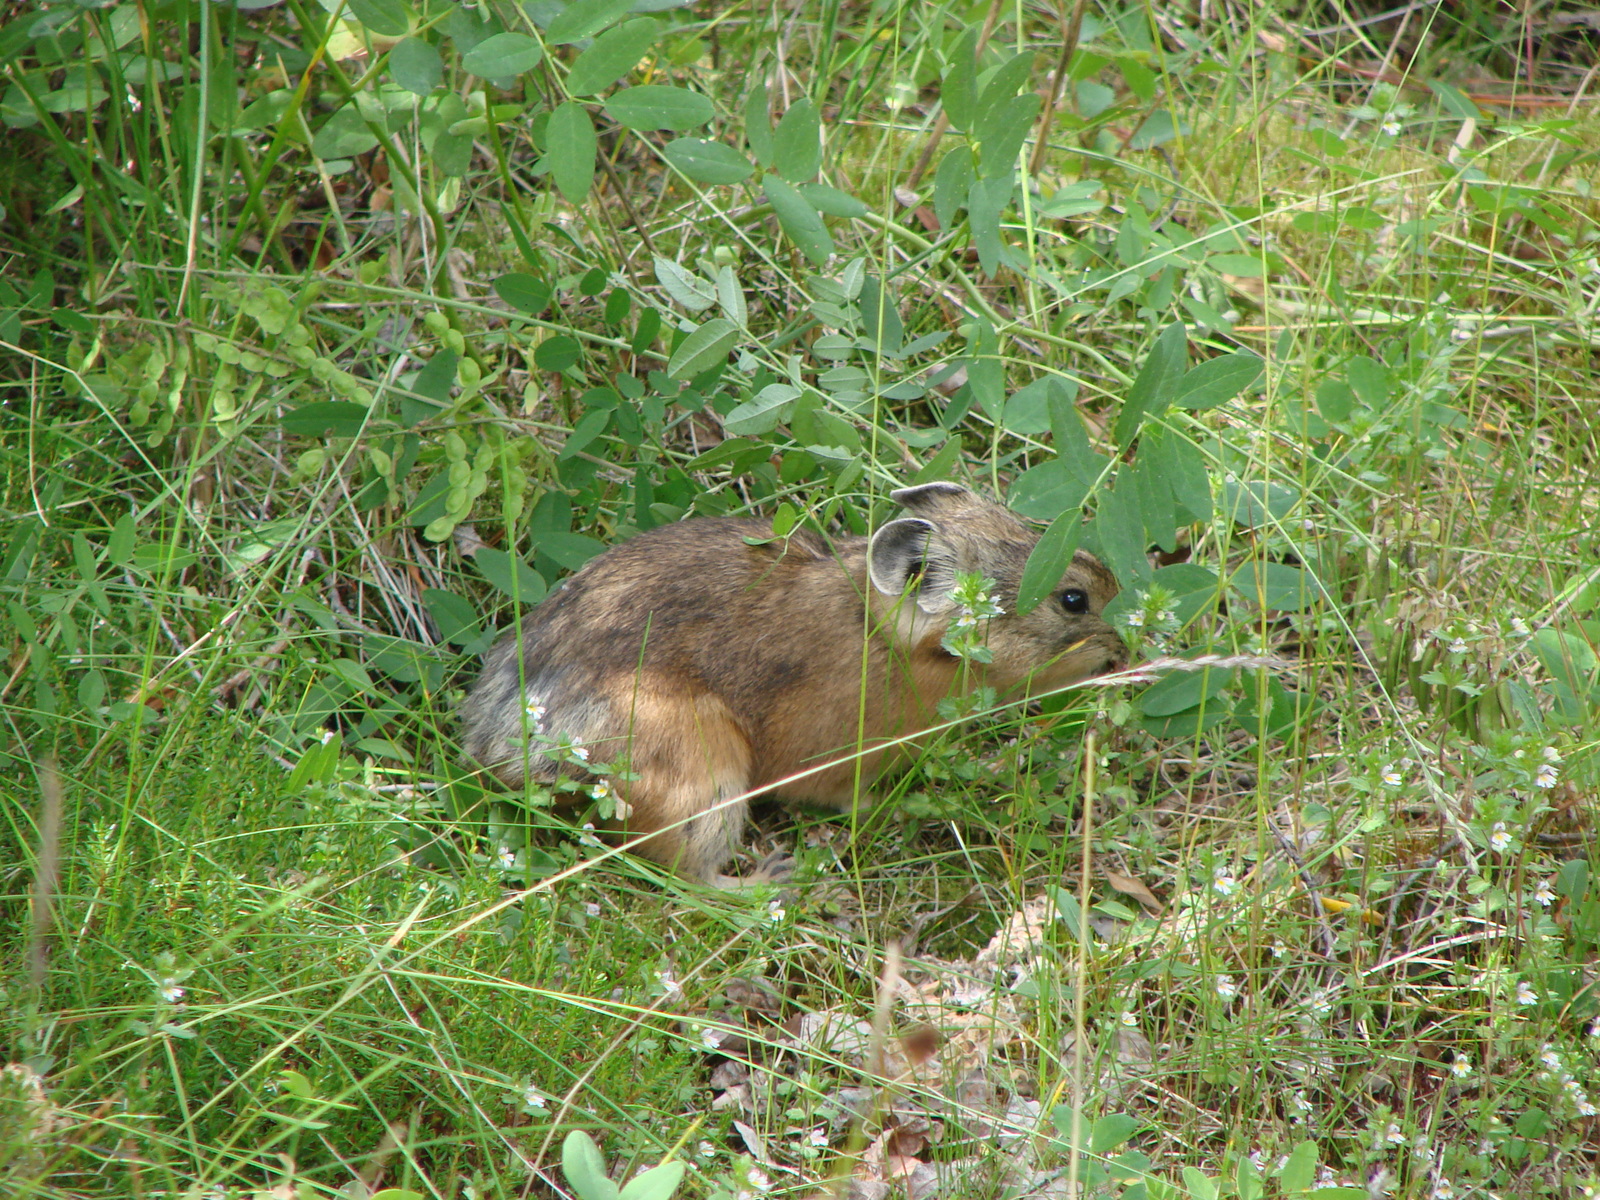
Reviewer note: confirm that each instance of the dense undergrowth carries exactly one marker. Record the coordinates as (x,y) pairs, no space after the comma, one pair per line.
(331,338)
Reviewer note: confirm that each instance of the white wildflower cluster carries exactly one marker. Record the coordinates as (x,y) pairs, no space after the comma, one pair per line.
(974,605)
(1153,618)
(1499,837)
(1556,1071)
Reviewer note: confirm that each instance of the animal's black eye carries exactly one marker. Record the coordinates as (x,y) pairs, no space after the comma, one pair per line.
(1075,600)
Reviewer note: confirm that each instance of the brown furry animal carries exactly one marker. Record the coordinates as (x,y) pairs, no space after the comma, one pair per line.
(715,668)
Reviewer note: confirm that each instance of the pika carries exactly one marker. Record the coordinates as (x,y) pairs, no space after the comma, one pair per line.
(716,660)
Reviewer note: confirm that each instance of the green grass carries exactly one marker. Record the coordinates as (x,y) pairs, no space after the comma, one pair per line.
(285,403)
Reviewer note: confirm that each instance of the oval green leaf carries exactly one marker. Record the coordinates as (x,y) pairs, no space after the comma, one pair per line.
(416,66)
(800,221)
(557,354)
(614,53)
(708,162)
(1217,380)
(703,349)
(503,56)
(1049,560)
(573,147)
(386,17)
(585,18)
(525,293)
(797,142)
(657,106)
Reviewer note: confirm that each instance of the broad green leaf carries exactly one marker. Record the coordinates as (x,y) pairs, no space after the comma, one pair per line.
(800,221)
(1246,266)
(831,202)
(1454,101)
(343,135)
(797,142)
(658,1183)
(1049,559)
(614,53)
(958,93)
(703,349)
(1112,1130)
(687,289)
(758,126)
(1217,380)
(510,575)
(1119,524)
(573,147)
(557,353)
(453,615)
(525,293)
(1048,490)
(585,18)
(657,106)
(985,372)
(1369,380)
(1179,690)
(585,1168)
(326,418)
(707,162)
(416,66)
(762,412)
(385,17)
(503,56)
(1002,86)
(1158,129)
(1154,386)
(731,297)
(1028,410)
(986,201)
(567,550)
(999,149)
(1271,585)
(1299,1171)
(590,426)
(952,183)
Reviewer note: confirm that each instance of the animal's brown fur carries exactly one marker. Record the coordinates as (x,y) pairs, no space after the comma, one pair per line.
(714,667)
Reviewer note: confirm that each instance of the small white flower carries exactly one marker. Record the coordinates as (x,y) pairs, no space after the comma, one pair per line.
(1321,1002)
(1391,128)
(1128,1018)
(535,712)
(506,857)
(1166,617)
(1594,1029)
(1393,778)
(706,1150)
(1461,1067)
(1133,618)
(1222,882)
(1546,778)
(1226,987)
(1586,1108)
(327,736)
(591,909)
(1520,627)
(1458,646)
(1526,994)
(1443,1189)
(670,988)
(532,1097)
(600,791)
(1394,1135)
(757,1179)
(172,993)
(818,1138)
(776,913)
(1543,893)
(711,1038)
(1279,949)
(1551,754)
(580,752)
(1499,838)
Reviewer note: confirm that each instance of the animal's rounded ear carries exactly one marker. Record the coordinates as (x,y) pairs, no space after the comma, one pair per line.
(909,555)
(931,499)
